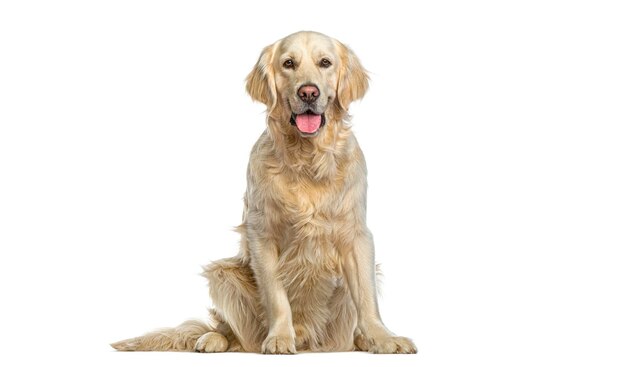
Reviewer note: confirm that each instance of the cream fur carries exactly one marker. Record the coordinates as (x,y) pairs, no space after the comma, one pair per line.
(304,279)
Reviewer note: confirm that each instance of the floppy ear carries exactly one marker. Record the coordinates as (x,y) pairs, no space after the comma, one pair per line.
(260,82)
(353,80)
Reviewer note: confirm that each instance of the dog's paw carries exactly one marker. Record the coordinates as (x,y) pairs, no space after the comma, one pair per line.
(361,343)
(392,345)
(212,342)
(279,344)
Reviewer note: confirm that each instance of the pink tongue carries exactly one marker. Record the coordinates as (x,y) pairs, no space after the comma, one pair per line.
(308,123)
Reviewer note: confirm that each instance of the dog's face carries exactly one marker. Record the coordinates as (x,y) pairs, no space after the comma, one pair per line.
(307,79)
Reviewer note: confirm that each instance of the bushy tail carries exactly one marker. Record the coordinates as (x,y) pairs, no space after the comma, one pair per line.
(181,338)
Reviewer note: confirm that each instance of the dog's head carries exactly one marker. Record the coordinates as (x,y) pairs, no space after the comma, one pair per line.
(307,80)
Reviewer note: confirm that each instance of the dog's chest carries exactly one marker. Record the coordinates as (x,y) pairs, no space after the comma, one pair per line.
(310,219)
(310,266)
(310,203)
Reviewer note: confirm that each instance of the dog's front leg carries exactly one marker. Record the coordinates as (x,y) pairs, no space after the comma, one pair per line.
(264,261)
(359,270)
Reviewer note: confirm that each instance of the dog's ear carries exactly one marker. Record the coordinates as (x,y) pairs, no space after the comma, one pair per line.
(353,80)
(260,82)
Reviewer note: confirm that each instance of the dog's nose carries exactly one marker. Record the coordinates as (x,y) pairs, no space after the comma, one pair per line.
(308,93)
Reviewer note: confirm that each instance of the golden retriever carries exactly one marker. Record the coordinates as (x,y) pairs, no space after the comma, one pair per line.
(304,278)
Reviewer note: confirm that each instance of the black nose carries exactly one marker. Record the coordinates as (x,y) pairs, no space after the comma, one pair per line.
(308,93)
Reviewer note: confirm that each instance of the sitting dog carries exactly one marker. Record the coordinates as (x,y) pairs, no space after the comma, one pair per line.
(305,277)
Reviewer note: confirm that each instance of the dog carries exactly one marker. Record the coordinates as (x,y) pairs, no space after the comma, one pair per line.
(305,277)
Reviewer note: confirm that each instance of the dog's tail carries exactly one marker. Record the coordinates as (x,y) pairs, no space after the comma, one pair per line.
(181,338)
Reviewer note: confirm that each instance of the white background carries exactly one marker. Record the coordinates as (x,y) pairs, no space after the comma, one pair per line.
(495,137)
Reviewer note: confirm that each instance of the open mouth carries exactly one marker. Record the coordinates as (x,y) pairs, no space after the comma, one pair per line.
(308,123)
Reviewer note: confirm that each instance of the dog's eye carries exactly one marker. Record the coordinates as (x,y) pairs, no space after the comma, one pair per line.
(288,64)
(325,63)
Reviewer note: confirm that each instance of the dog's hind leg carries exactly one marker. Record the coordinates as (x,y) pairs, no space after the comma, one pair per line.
(237,308)
(237,323)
